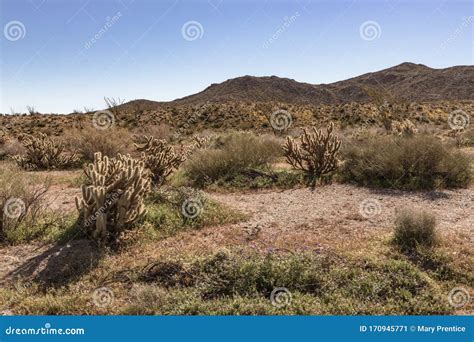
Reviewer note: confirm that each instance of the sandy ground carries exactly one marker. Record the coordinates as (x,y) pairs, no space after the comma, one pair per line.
(300,219)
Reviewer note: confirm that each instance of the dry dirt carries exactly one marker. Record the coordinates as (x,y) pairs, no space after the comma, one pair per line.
(332,216)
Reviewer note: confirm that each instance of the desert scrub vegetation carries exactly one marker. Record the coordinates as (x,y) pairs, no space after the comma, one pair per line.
(89,140)
(44,153)
(231,155)
(241,283)
(159,158)
(24,215)
(315,153)
(113,196)
(174,209)
(414,229)
(412,163)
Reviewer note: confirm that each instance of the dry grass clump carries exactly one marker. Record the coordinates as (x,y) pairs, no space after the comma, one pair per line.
(418,162)
(22,201)
(89,140)
(414,228)
(230,155)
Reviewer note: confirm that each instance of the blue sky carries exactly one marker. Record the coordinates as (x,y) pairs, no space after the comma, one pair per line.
(63,55)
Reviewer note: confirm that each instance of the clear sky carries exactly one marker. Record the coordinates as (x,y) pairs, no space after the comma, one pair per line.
(60,55)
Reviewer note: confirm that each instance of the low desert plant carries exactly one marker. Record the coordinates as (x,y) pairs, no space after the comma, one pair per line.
(230,155)
(314,152)
(418,162)
(89,140)
(44,153)
(160,158)
(22,200)
(414,228)
(112,198)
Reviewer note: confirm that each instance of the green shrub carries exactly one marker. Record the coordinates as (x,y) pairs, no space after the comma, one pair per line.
(229,156)
(413,229)
(419,162)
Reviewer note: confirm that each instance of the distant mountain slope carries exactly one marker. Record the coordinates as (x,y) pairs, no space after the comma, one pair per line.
(408,81)
(413,82)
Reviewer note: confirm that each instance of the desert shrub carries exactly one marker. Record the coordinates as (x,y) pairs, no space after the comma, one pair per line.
(22,200)
(159,132)
(113,196)
(314,152)
(160,158)
(171,210)
(419,162)
(229,156)
(414,228)
(44,153)
(89,140)
(324,284)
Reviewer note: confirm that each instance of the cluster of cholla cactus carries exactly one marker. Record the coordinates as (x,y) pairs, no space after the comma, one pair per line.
(405,127)
(314,152)
(113,197)
(44,153)
(159,158)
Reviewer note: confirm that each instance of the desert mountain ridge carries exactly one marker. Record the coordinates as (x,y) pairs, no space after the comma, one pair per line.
(406,81)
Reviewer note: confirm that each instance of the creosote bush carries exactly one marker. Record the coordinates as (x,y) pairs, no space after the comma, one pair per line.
(414,228)
(314,152)
(418,162)
(231,155)
(44,153)
(113,197)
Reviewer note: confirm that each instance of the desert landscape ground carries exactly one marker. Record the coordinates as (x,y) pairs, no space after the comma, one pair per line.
(259,195)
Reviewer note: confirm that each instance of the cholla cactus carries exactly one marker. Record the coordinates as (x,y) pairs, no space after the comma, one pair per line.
(159,158)
(113,197)
(315,153)
(44,153)
(405,127)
